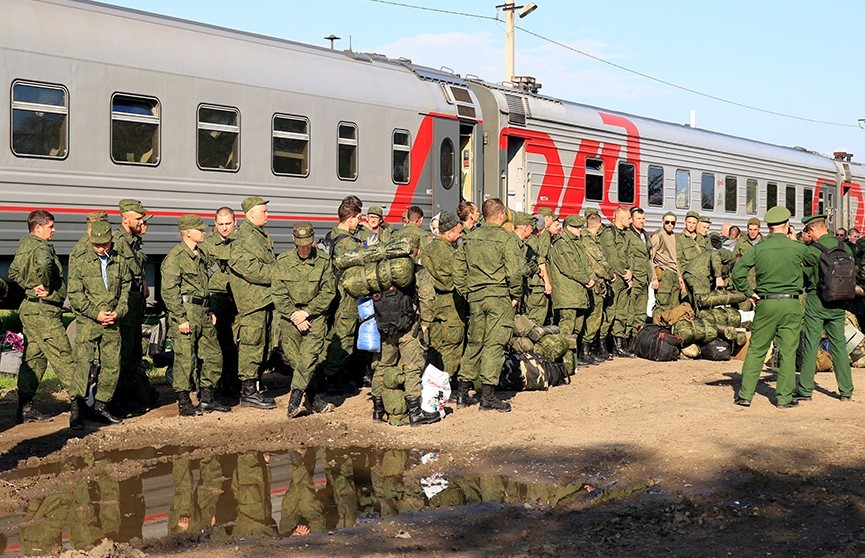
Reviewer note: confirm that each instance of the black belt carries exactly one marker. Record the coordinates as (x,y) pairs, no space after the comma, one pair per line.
(776,296)
(196,300)
(39,300)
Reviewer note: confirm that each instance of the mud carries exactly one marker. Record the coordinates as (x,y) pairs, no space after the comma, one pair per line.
(654,458)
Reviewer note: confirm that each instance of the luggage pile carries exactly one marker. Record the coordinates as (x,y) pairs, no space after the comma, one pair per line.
(376,268)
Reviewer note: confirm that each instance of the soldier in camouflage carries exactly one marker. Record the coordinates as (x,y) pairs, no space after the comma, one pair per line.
(37,269)
(689,244)
(83,246)
(376,230)
(601,291)
(303,290)
(614,242)
(537,296)
(99,283)
(185,292)
(638,261)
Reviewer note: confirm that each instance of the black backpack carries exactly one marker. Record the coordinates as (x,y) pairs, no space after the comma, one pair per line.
(716,349)
(837,279)
(654,342)
(395,312)
(327,243)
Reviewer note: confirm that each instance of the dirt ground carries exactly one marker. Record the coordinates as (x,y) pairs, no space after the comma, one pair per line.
(712,479)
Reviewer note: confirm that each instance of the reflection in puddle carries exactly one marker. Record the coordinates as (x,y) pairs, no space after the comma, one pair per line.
(255,494)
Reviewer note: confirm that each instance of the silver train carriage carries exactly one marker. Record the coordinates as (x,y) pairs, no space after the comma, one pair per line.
(104,103)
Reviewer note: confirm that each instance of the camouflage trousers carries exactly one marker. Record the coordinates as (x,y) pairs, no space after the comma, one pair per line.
(447,341)
(616,317)
(340,343)
(95,343)
(571,321)
(491,324)
(195,502)
(253,334)
(405,351)
(304,351)
(668,293)
(638,300)
(44,341)
(597,303)
(299,504)
(537,305)
(197,358)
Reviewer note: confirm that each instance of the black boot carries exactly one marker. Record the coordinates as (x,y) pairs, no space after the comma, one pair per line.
(261,391)
(599,350)
(208,401)
(463,398)
(319,405)
(185,408)
(586,355)
(28,413)
(76,422)
(417,416)
(621,347)
(251,397)
(101,409)
(582,356)
(377,408)
(491,402)
(296,408)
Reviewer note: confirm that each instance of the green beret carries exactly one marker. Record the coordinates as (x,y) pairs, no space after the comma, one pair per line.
(251,202)
(705,219)
(694,214)
(100,232)
(812,219)
(777,215)
(753,221)
(97,216)
(304,233)
(132,205)
(575,221)
(523,219)
(447,221)
(590,211)
(375,210)
(190,221)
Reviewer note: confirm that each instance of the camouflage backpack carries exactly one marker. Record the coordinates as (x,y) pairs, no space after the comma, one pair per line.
(531,372)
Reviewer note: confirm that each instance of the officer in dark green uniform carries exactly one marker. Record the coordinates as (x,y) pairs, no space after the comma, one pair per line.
(638,249)
(303,289)
(823,316)
(614,242)
(251,261)
(83,245)
(777,262)
(185,292)
(488,273)
(99,283)
(36,269)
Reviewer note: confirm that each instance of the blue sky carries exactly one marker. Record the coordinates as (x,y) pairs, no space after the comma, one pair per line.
(795,57)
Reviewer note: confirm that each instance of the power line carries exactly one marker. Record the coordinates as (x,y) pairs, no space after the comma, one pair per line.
(625,68)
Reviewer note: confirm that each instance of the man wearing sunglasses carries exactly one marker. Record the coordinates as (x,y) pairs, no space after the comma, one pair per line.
(667,279)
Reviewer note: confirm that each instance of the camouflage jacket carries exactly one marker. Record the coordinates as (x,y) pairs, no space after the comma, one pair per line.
(489,264)
(81,247)
(614,243)
(570,272)
(687,248)
(130,247)
(307,285)
(184,276)
(251,260)
(88,294)
(538,248)
(384,234)
(743,244)
(439,256)
(637,252)
(597,260)
(35,264)
(216,251)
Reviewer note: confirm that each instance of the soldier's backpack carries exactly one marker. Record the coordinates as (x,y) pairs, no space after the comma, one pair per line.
(395,312)
(327,243)
(531,372)
(837,279)
(716,349)
(654,342)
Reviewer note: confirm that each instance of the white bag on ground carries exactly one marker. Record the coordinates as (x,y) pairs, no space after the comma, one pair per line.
(435,390)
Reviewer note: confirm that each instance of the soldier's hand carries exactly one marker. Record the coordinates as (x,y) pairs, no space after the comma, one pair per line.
(719,283)
(213,319)
(184,328)
(106,318)
(591,284)
(39,290)
(682,286)
(628,275)
(655,284)
(514,303)
(303,326)
(754,298)
(298,317)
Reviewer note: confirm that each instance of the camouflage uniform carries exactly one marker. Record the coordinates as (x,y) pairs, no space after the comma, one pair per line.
(698,274)
(637,251)
(601,291)
(250,485)
(403,349)
(217,252)
(488,274)
(535,301)
(447,330)
(45,339)
(306,285)
(570,274)
(614,242)
(340,343)
(88,295)
(410,229)
(300,504)
(688,248)
(186,294)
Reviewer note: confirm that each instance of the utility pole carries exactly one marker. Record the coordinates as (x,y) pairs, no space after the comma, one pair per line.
(509,8)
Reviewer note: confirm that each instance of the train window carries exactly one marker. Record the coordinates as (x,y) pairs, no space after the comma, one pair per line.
(626,183)
(771,195)
(401,156)
(807,202)
(683,189)
(707,191)
(447,163)
(135,129)
(290,145)
(791,199)
(656,185)
(40,117)
(594,179)
(347,151)
(751,196)
(731,193)
(218,138)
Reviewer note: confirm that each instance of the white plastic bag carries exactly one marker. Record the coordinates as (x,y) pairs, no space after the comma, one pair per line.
(435,390)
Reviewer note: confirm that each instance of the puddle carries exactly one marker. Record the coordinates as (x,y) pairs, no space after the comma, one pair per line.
(254,494)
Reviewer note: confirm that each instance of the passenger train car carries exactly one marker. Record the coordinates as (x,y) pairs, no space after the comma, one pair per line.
(103,103)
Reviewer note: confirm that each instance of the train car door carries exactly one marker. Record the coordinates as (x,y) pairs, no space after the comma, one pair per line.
(445,155)
(516,181)
(471,155)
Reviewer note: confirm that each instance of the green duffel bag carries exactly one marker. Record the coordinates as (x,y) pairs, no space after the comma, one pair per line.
(396,248)
(695,331)
(523,325)
(360,281)
(720,298)
(522,344)
(552,347)
(395,407)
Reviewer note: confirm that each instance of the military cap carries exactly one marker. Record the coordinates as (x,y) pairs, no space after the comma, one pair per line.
(705,219)
(303,233)
(447,221)
(97,216)
(190,221)
(100,232)
(753,221)
(694,214)
(810,220)
(575,220)
(522,219)
(147,217)
(777,215)
(546,212)
(251,202)
(132,205)
(670,214)
(590,211)
(375,210)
